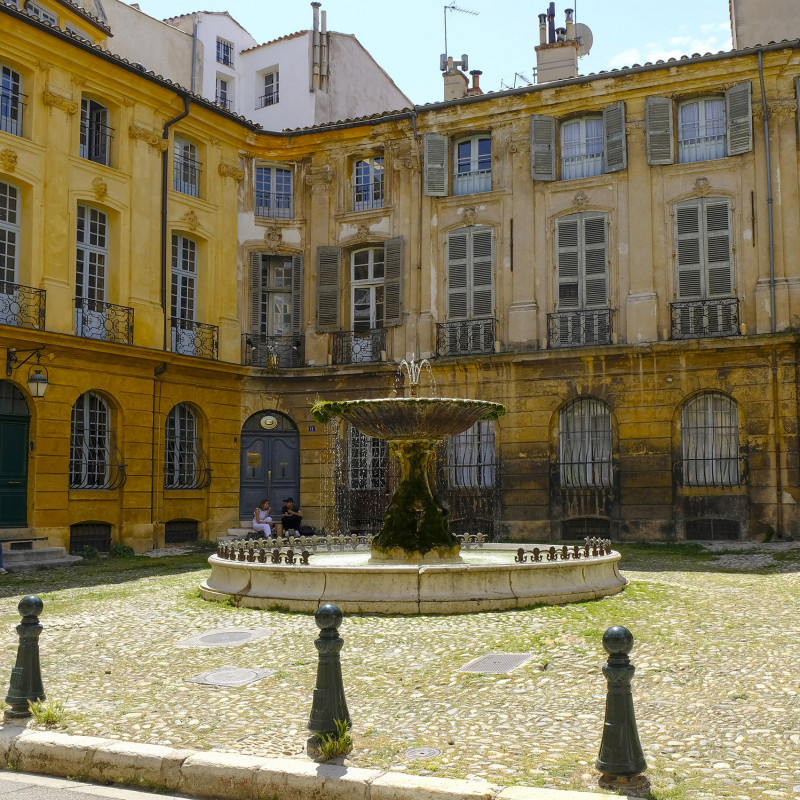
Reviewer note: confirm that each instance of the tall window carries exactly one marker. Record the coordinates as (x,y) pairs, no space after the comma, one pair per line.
(470,457)
(473,165)
(272,294)
(225,92)
(186,170)
(224,52)
(366,284)
(91,261)
(9,253)
(367,461)
(183,299)
(90,443)
(584,443)
(180,448)
(11,101)
(470,273)
(273,192)
(271,90)
(95,132)
(582,148)
(710,440)
(701,129)
(368,183)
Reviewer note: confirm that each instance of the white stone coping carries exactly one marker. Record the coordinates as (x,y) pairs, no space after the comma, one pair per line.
(231,776)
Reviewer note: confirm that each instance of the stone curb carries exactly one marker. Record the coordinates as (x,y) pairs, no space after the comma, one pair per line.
(229,776)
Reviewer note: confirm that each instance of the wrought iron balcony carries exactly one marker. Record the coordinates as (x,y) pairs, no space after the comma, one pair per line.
(274,205)
(224,101)
(95,141)
(472,182)
(95,319)
(95,461)
(186,465)
(272,352)
(21,306)
(579,328)
(268,99)
(356,347)
(367,195)
(190,338)
(465,337)
(695,319)
(711,470)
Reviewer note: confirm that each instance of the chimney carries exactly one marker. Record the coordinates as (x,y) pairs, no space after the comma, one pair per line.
(542,28)
(456,84)
(557,59)
(315,44)
(570,24)
(551,23)
(476,88)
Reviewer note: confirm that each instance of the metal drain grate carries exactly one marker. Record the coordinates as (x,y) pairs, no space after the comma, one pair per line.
(414,753)
(230,676)
(498,663)
(226,637)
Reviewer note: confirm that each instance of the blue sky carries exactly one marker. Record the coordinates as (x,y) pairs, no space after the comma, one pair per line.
(406,38)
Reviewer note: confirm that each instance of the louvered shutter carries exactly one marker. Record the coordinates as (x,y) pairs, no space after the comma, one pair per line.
(718,248)
(658,125)
(328,268)
(797,98)
(543,148)
(688,247)
(297,296)
(482,251)
(255,292)
(739,119)
(594,261)
(393,282)
(457,283)
(615,151)
(436,174)
(567,258)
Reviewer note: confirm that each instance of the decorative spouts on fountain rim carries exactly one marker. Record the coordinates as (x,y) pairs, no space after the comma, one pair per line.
(413,370)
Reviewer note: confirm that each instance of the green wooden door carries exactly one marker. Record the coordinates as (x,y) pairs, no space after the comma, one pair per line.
(13,471)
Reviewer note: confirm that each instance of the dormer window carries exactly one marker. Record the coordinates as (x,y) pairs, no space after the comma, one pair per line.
(224,52)
(40,12)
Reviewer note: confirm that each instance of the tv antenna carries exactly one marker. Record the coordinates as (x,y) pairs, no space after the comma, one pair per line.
(454,7)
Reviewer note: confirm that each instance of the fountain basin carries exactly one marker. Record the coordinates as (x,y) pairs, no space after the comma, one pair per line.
(489,580)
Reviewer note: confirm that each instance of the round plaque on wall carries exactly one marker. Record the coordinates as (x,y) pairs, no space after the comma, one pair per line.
(268,422)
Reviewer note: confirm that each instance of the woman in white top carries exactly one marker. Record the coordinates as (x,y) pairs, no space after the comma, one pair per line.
(262,519)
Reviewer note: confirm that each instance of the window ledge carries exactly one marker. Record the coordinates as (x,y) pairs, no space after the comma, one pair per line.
(365,213)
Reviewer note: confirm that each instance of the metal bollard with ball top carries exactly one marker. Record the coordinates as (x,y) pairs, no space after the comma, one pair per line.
(26,675)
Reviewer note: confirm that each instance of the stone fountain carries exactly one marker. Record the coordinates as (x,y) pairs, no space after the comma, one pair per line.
(415,564)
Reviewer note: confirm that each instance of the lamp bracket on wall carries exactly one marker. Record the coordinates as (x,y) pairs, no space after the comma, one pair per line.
(37,376)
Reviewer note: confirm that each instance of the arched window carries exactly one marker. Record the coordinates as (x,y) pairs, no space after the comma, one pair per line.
(584,443)
(185,464)
(90,454)
(710,441)
(470,457)
(367,461)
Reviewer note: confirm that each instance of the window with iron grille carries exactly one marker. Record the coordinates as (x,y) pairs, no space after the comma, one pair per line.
(712,529)
(224,52)
(473,165)
(89,534)
(271,90)
(273,192)
(180,531)
(367,461)
(186,167)
(90,443)
(10,101)
(9,234)
(91,264)
(95,143)
(585,444)
(368,183)
(710,440)
(471,458)
(182,449)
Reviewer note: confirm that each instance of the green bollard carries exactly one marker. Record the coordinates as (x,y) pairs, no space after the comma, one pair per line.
(26,676)
(620,750)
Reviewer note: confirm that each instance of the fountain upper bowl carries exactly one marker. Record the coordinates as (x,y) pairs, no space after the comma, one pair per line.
(409,418)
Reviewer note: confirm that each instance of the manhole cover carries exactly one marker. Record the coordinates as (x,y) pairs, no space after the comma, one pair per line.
(226,637)
(499,663)
(230,676)
(421,752)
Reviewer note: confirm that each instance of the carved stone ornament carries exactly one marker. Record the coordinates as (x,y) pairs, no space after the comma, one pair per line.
(702,187)
(404,163)
(781,110)
(152,138)
(78,80)
(250,154)
(470,215)
(273,238)
(214,141)
(8,160)
(100,189)
(580,201)
(43,66)
(318,177)
(190,220)
(519,145)
(229,170)
(635,126)
(58,101)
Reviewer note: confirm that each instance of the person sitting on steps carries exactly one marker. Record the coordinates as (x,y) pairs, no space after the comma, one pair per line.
(262,519)
(291,517)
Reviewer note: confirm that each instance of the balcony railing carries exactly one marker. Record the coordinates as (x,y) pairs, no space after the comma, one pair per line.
(356,347)
(465,337)
(579,328)
(224,101)
(693,320)
(190,338)
(367,195)
(472,182)
(272,352)
(274,205)
(95,462)
(95,142)
(21,306)
(186,175)
(11,108)
(95,319)
(268,99)
(186,465)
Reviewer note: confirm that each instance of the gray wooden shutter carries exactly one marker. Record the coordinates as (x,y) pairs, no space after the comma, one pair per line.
(797,98)
(436,174)
(328,306)
(615,151)
(255,292)
(543,148)
(595,260)
(482,257)
(457,282)
(567,260)
(718,248)
(658,125)
(688,280)
(739,119)
(297,296)
(393,282)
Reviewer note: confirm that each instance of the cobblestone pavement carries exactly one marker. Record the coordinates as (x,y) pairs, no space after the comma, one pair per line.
(717,658)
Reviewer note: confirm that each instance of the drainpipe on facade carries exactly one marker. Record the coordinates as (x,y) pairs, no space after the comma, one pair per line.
(157,372)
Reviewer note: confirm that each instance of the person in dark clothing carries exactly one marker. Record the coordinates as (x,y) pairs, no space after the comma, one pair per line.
(291,517)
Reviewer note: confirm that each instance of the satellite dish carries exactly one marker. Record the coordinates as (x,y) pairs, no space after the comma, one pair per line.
(584,36)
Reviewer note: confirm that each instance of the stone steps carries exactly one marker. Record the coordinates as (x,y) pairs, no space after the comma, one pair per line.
(38,558)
